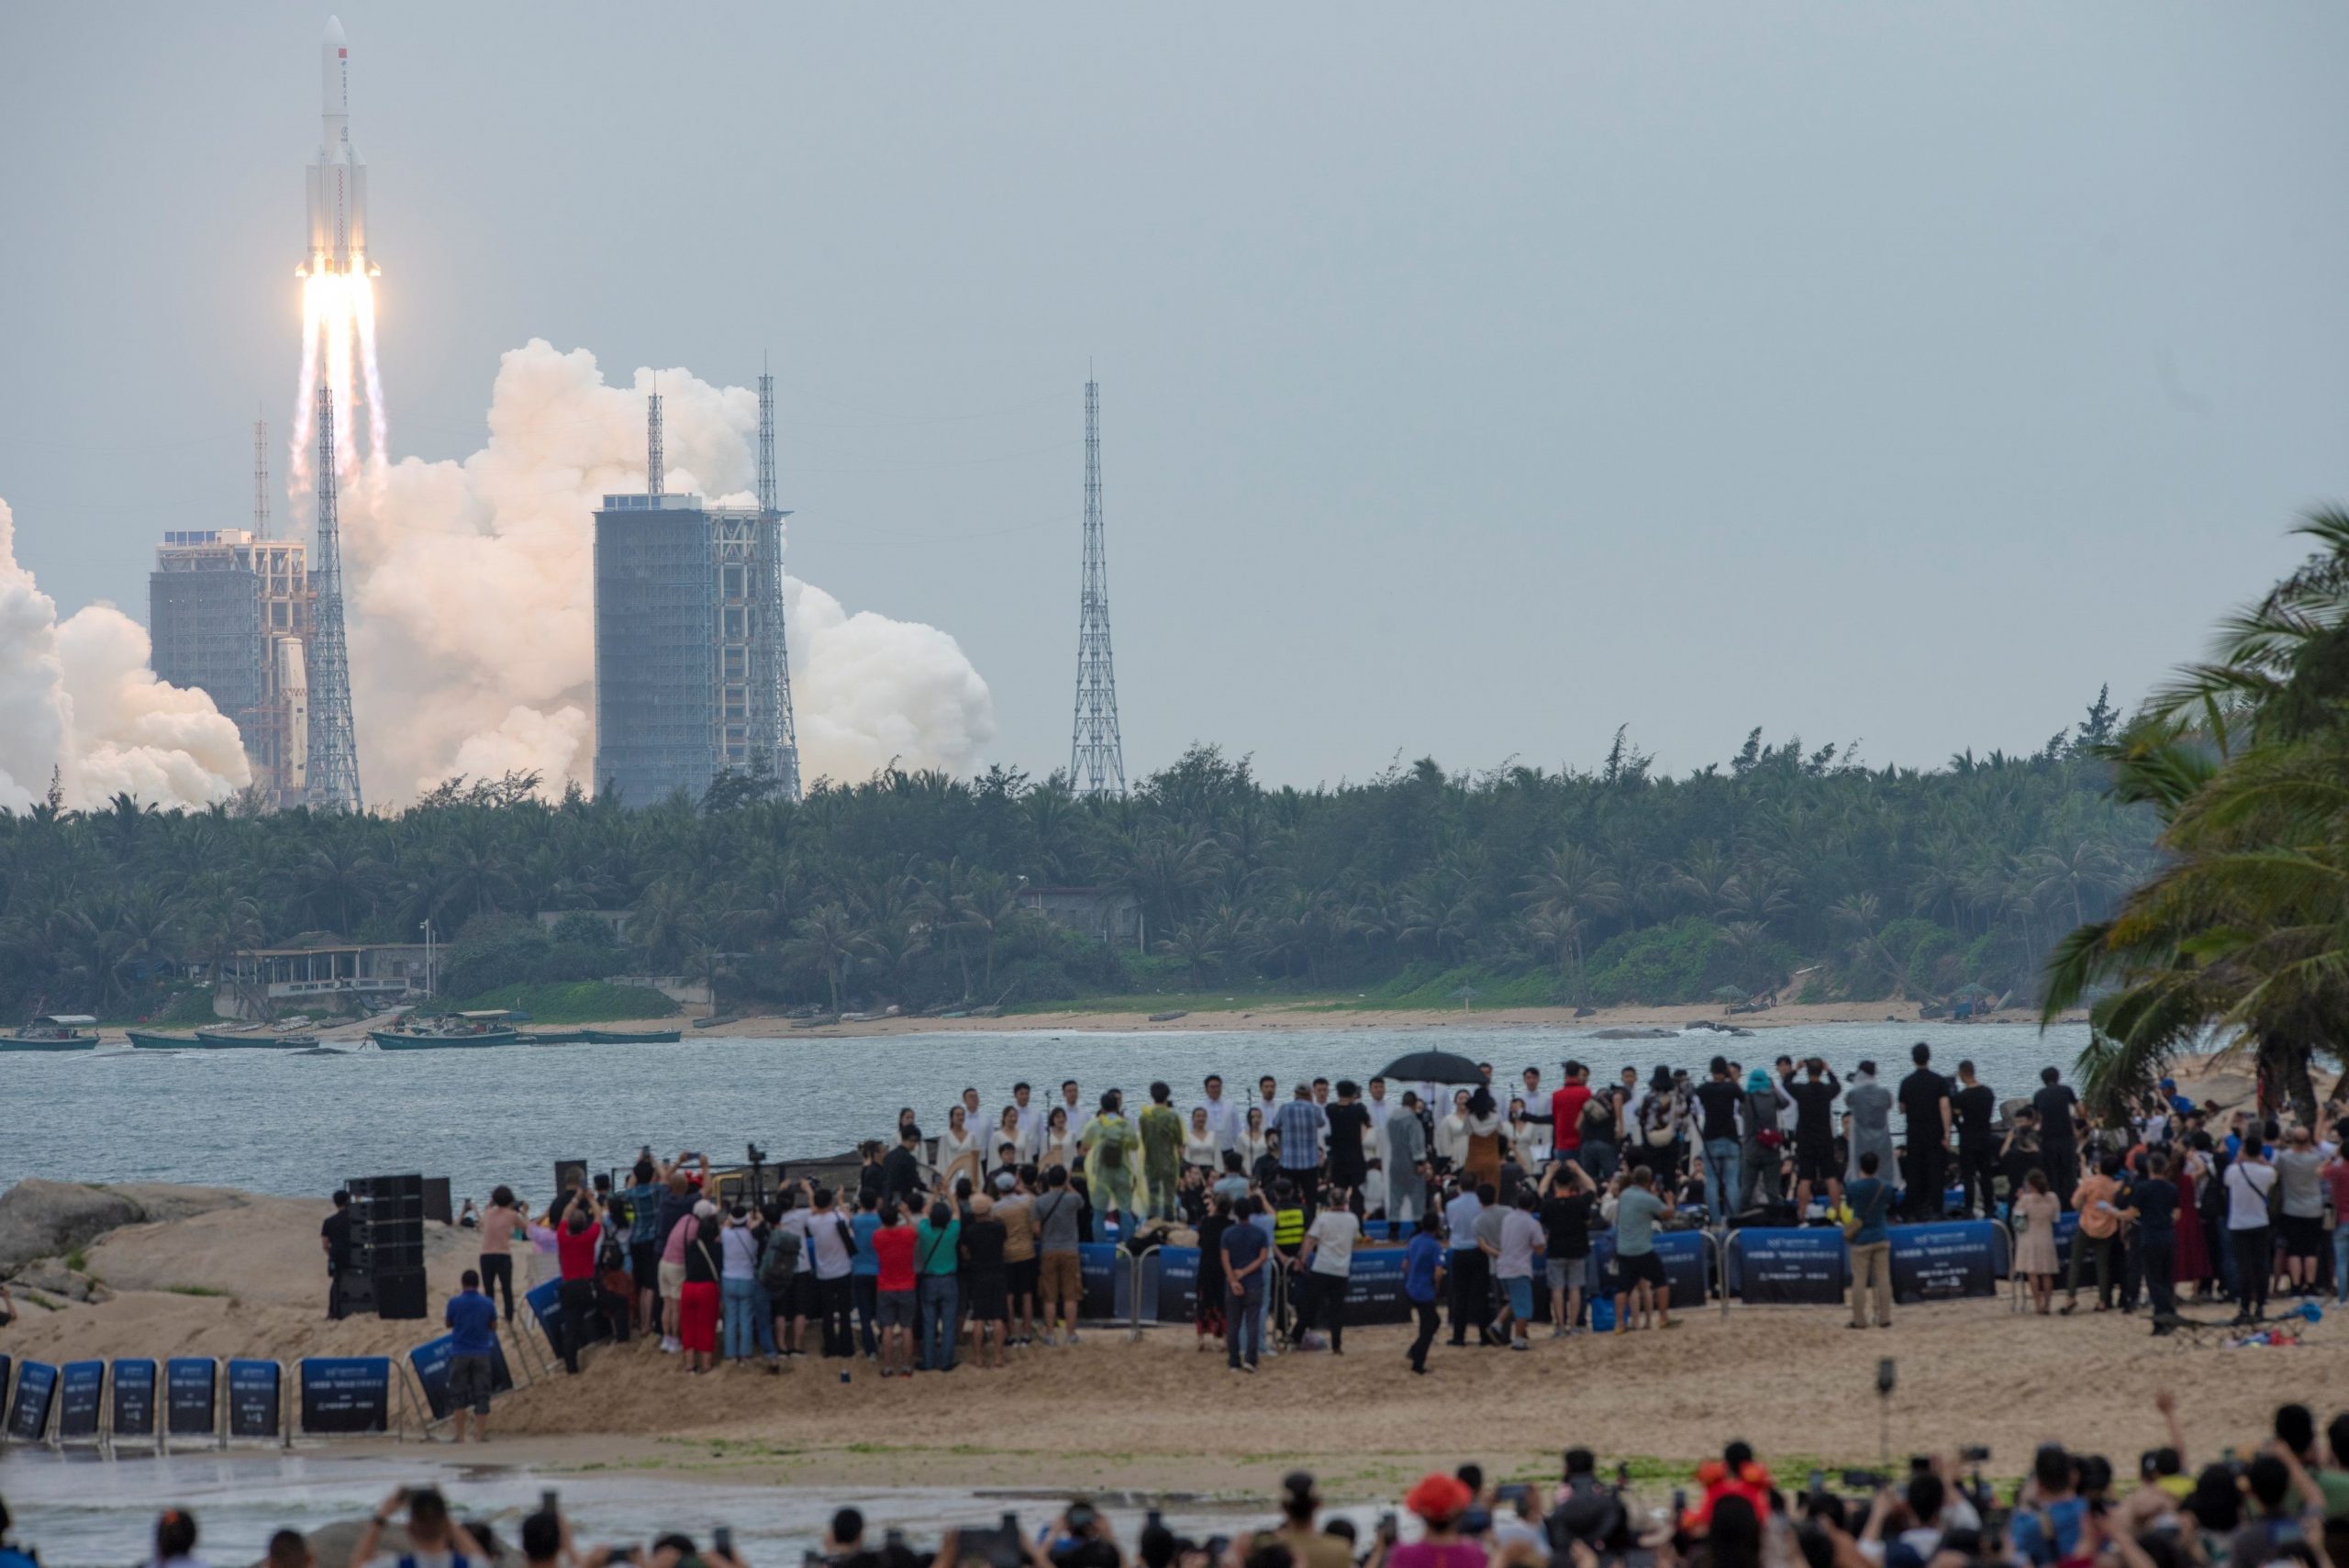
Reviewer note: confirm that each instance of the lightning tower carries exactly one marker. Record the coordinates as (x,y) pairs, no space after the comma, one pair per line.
(261,479)
(1097,764)
(333,769)
(775,688)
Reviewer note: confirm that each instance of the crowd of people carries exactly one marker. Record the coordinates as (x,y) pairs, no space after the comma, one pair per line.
(2284,1506)
(950,1248)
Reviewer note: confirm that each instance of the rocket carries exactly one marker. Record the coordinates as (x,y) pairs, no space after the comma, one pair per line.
(337,179)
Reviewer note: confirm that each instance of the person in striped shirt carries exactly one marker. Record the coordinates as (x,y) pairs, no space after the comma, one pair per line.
(1301,1124)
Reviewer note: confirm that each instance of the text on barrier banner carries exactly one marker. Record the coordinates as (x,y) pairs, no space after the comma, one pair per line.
(1775,1266)
(134,1399)
(81,1394)
(191,1396)
(346,1394)
(29,1411)
(254,1399)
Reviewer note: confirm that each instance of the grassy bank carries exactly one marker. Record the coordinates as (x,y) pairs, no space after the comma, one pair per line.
(572,1002)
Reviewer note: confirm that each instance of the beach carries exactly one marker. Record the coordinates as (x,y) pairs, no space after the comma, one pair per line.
(1305,1013)
(241,1275)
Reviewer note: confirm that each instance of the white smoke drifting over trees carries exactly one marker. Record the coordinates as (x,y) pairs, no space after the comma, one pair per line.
(471,597)
(78,704)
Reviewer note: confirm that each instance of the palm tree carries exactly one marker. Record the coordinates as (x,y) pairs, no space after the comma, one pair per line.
(2245,932)
(828,939)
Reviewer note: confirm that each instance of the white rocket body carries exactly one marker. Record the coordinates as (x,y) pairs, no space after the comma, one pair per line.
(337,179)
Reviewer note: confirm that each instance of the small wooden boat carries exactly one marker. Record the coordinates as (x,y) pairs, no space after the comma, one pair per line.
(440,1039)
(228,1039)
(458,1032)
(555,1037)
(629,1037)
(53,1031)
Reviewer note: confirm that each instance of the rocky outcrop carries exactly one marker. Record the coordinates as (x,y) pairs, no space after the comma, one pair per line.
(44,1220)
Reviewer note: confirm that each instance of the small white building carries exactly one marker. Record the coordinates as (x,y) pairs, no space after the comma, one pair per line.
(368,975)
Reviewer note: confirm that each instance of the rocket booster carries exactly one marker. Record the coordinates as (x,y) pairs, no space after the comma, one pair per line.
(337,179)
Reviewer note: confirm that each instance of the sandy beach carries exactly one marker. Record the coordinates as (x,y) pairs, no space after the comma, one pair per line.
(244,1277)
(1305,1014)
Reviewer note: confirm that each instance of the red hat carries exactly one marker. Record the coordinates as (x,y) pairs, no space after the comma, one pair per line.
(1439,1498)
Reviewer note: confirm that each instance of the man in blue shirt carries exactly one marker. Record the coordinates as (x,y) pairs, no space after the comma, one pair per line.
(1246,1249)
(1422,1284)
(1869,1199)
(472,1319)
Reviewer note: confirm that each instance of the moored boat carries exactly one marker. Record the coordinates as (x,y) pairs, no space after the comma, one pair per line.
(54,1031)
(629,1037)
(222,1040)
(555,1037)
(456,1031)
(144,1040)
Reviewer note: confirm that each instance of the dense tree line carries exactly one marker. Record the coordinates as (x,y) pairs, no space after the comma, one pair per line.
(1786,870)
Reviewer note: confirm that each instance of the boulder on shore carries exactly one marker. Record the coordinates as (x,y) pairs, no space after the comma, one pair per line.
(44,1220)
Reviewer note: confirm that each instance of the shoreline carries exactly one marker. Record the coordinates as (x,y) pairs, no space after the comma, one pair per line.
(1303,1015)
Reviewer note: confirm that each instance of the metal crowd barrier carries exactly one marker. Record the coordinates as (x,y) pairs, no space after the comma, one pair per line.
(1133,1287)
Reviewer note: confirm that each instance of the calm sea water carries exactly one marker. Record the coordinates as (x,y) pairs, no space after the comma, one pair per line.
(280,1123)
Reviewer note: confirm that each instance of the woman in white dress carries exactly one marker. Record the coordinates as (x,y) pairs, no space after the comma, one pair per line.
(1199,1146)
(1528,1139)
(1057,1144)
(1253,1140)
(1452,1132)
(1007,1131)
(958,1152)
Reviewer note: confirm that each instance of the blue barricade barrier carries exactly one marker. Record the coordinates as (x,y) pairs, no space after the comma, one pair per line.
(29,1411)
(1949,1262)
(191,1396)
(1788,1265)
(133,1414)
(80,1398)
(430,1362)
(256,1399)
(345,1395)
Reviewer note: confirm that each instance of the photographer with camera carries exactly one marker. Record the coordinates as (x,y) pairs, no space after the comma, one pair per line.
(1588,1513)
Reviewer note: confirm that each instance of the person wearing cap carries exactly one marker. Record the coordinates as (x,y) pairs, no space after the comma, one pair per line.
(1439,1501)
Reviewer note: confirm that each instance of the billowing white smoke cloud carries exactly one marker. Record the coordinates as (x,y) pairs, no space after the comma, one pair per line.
(78,704)
(471,595)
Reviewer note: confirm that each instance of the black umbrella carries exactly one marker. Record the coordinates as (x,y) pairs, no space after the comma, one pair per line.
(1433,1067)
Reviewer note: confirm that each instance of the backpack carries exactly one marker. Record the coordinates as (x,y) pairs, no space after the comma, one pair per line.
(779,1262)
(1113,1152)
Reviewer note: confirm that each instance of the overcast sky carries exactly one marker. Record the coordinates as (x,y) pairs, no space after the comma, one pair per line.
(1475,379)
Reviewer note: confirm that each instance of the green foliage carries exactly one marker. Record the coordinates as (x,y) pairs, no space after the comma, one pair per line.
(499,951)
(2244,930)
(1682,961)
(916,889)
(572,1002)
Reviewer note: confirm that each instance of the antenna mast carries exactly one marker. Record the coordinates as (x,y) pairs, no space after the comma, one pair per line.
(333,772)
(1097,764)
(654,476)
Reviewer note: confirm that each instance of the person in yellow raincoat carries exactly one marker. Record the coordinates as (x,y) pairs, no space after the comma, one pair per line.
(1113,1169)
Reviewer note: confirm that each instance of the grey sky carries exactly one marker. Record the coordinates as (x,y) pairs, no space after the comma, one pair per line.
(1474,379)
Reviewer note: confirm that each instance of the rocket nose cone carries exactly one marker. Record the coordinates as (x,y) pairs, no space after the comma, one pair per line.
(334,31)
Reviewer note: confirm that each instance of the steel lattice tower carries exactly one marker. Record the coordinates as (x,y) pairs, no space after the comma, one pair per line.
(261,479)
(1097,761)
(786,756)
(655,478)
(333,772)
